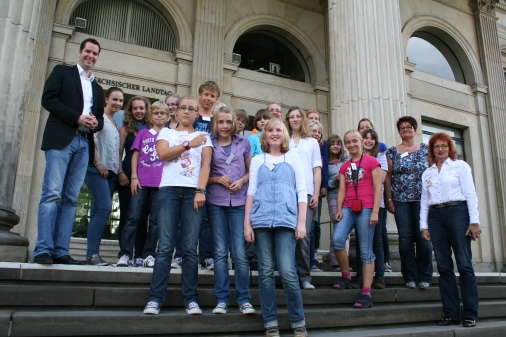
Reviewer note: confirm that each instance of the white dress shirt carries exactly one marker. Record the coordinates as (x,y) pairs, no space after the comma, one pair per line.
(309,153)
(107,145)
(453,183)
(87,92)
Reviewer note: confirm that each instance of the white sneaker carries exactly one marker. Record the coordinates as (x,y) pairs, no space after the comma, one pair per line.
(193,308)
(221,308)
(208,264)
(138,262)
(152,308)
(177,263)
(387,267)
(308,286)
(149,262)
(123,261)
(247,308)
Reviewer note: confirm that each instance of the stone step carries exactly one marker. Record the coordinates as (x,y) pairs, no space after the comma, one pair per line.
(97,296)
(174,321)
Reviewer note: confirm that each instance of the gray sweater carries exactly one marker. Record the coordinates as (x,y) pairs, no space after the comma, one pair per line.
(334,172)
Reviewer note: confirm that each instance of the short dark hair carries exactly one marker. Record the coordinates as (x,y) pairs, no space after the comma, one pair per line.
(262,113)
(210,85)
(407,119)
(83,44)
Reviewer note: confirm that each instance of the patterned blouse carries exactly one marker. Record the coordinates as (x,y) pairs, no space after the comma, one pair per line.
(407,173)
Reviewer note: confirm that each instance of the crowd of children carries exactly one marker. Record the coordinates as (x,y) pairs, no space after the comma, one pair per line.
(193,191)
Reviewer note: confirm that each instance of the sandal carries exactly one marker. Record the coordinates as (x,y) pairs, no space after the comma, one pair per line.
(343,283)
(365,301)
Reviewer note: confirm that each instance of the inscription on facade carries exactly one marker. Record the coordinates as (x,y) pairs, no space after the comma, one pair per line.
(132,86)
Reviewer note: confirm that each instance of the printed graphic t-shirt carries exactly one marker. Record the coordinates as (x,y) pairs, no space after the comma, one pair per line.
(203,124)
(184,170)
(365,183)
(149,166)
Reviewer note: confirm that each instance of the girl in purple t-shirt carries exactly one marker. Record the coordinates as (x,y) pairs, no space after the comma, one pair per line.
(146,175)
(358,203)
(226,197)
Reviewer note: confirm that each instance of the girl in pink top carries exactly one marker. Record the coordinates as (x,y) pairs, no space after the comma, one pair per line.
(358,205)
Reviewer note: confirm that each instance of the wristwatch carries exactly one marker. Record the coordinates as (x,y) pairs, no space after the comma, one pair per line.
(186,145)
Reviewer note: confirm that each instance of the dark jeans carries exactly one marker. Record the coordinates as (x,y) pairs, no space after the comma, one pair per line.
(384,235)
(205,238)
(447,227)
(315,233)
(178,253)
(175,204)
(101,190)
(377,248)
(416,265)
(145,195)
(124,195)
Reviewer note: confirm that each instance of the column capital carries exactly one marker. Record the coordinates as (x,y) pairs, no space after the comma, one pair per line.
(409,67)
(63,31)
(479,88)
(484,6)
(183,56)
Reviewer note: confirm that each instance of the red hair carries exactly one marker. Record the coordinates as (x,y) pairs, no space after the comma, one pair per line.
(452,150)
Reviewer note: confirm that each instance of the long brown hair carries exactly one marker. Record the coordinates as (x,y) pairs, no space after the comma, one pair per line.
(452,150)
(129,120)
(333,139)
(304,129)
(374,135)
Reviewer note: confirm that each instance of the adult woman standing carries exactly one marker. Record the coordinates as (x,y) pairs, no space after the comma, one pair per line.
(309,152)
(274,221)
(449,218)
(358,204)
(136,119)
(101,178)
(403,187)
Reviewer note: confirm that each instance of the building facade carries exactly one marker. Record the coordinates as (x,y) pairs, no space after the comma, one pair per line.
(440,61)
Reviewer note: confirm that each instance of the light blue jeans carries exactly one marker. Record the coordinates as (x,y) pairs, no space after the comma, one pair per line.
(227,225)
(278,244)
(364,230)
(101,190)
(63,178)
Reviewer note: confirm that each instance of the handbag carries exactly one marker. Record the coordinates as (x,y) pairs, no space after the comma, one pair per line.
(356,205)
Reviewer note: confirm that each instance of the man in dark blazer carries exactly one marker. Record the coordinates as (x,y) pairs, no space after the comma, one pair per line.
(76,106)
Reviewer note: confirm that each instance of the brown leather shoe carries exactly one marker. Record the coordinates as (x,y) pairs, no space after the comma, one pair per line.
(378,282)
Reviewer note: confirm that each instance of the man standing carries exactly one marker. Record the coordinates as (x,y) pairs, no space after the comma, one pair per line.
(76,106)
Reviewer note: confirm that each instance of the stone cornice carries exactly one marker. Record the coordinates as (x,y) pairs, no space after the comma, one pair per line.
(484,6)
(444,3)
(63,31)
(479,88)
(307,8)
(183,55)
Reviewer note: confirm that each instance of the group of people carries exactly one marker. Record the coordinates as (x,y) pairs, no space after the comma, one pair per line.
(192,189)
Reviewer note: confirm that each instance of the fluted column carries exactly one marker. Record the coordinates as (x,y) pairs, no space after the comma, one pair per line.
(209,43)
(490,56)
(366,65)
(18,27)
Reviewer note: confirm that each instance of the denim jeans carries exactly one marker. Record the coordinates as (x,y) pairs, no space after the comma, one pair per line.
(146,195)
(278,244)
(175,203)
(315,234)
(177,249)
(414,267)
(63,178)
(101,190)
(205,238)
(124,196)
(365,232)
(377,248)
(302,249)
(447,227)
(227,225)
(384,235)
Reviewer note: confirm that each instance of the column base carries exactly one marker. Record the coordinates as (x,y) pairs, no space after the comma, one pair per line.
(13,247)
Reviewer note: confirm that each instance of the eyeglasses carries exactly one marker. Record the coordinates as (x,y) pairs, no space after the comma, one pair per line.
(156,113)
(442,147)
(189,109)
(172,104)
(405,128)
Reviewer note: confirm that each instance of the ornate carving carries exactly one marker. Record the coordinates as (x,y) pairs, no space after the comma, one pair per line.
(486,6)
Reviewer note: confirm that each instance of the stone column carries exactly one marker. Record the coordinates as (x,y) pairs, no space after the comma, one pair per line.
(209,43)
(490,55)
(366,66)
(19,20)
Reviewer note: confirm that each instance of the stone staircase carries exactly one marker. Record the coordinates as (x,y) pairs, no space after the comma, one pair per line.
(39,300)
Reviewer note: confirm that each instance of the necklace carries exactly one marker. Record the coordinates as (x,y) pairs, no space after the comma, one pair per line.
(411,148)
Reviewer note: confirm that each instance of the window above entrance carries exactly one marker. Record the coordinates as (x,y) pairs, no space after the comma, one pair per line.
(269,53)
(127,21)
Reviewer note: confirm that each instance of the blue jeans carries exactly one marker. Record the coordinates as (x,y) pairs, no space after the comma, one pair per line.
(377,248)
(278,244)
(63,178)
(124,196)
(365,232)
(176,203)
(145,196)
(447,227)
(227,225)
(384,234)
(101,190)
(414,267)
(205,239)
(315,233)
